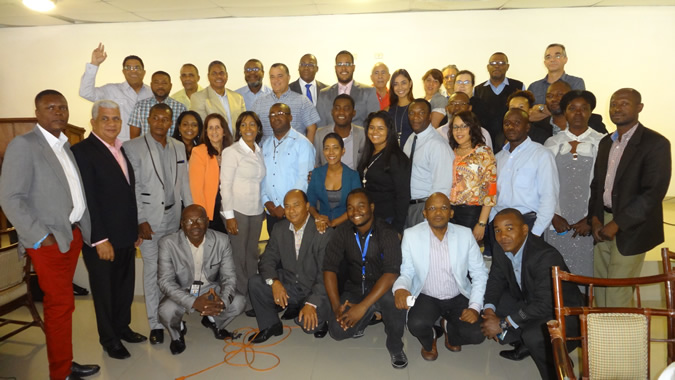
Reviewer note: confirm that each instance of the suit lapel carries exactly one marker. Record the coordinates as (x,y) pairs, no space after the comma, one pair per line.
(155,158)
(185,247)
(209,252)
(307,238)
(52,160)
(112,161)
(629,152)
(214,100)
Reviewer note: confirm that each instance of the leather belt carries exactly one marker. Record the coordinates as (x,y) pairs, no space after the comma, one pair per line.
(416,201)
(607,209)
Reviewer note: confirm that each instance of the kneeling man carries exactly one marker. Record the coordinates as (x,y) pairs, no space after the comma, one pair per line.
(196,272)
(290,274)
(437,257)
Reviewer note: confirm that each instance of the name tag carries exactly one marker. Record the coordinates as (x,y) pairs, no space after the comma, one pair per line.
(195,288)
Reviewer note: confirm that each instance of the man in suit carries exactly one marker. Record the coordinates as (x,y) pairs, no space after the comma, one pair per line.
(42,195)
(438,257)
(218,99)
(160,169)
(364,96)
(307,84)
(353,136)
(254,72)
(196,272)
(631,177)
(109,185)
(290,274)
(519,294)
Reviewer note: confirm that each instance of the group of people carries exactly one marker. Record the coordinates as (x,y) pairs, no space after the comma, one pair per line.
(376,203)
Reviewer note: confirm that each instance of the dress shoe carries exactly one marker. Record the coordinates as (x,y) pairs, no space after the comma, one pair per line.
(264,334)
(83,370)
(399,361)
(157,336)
(220,334)
(117,351)
(290,314)
(519,353)
(444,328)
(133,337)
(73,377)
(250,313)
(321,332)
(430,355)
(177,346)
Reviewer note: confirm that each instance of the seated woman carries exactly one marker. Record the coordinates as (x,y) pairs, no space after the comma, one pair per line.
(385,170)
(330,185)
(189,130)
(205,168)
(432,85)
(474,174)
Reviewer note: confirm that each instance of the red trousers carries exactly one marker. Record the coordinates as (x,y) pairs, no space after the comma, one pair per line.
(55,272)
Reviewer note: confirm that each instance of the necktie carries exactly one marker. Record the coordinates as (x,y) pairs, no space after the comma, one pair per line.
(412,150)
(309,93)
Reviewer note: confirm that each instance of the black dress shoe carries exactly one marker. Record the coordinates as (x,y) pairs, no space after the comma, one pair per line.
(157,336)
(250,313)
(290,314)
(73,377)
(263,335)
(133,337)
(206,322)
(117,351)
(222,334)
(177,346)
(321,332)
(519,353)
(83,370)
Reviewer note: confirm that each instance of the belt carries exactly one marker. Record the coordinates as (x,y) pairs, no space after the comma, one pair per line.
(416,201)
(73,226)
(168,207)
(608,209)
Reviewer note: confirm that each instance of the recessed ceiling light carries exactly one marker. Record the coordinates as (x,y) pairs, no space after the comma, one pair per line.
(40,5)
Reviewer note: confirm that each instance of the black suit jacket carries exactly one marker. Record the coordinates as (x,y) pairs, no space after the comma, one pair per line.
(110,198)
(295,87)
(640,184)
(537,284)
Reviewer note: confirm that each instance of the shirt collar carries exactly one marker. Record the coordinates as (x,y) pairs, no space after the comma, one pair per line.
(118,142)
(303,83)
(574,137)
(626,136)
(519,254)
(519,147)
(302,229)
(243,144)
(282,95)
(488,83)
(53,141)
(425,132)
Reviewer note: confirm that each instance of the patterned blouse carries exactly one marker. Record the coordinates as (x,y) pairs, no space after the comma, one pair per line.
(474,178)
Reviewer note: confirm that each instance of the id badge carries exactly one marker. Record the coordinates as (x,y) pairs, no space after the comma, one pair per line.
(194,289)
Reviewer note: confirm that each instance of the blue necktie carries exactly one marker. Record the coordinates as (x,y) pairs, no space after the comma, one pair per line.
(309,93)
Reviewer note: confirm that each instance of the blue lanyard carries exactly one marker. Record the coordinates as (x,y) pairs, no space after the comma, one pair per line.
(363,250)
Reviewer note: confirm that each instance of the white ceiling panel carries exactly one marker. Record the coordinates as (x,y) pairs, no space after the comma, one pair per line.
(170,14)
(432,5)
(625,3)
(95,11)
(18,15)
(137,6)
(297,10)
(525,4)
(262,3)
(365,7)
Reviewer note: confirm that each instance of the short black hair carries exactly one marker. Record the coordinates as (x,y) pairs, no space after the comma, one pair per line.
(423,101)
(161,73)
(128,57)
(256,60)
(360,190)
(44,93)
(344,96)
(335,136)
(522,94)
(191,65)
(217,62)
(161,107)
(512,211)
(240,119)
(574,94)
(282,65)
(344,52)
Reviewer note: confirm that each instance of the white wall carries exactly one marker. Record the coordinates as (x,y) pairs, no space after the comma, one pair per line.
(609,47)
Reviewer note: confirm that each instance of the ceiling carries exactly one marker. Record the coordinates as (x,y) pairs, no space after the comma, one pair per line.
(14,14)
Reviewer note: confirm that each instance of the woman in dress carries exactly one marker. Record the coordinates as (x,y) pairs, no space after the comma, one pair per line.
(205,168)
(241,174)
(432,85)
(400,97)
(189,130)
(474,174)
(385,170)
(330,184)
(575,149)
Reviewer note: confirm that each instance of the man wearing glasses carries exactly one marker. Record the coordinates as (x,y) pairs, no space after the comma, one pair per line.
(126,94)
(364,96)
(307,84)
(449,75)
(555,58)
(254,72)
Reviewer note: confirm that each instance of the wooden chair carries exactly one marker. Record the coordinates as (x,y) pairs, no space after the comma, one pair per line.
(614,341)
(14,287)
(667,256)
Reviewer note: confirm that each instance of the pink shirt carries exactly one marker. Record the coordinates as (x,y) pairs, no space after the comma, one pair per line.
(116,151)
(615,153)
(345,88)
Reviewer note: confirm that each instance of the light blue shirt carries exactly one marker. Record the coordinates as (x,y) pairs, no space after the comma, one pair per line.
(250,97)
(498,90)
(432,164)
(288,162)
(303,111)
(527,180)
(539,88)
(517,262)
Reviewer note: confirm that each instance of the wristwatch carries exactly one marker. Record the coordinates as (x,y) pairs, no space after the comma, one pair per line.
(482,224)
(503,324)
(269,281)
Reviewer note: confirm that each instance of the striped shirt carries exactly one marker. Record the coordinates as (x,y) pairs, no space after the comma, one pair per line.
(440,282)
(618,146)
(141,112)
(303,112)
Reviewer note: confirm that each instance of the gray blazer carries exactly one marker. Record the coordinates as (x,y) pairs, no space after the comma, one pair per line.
(358,135)
(176,266)
(365,102)
(295,87)
(34,192)
(278,260)
(148,169)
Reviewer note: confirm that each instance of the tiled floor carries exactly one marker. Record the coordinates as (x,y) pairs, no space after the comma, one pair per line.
(24,356)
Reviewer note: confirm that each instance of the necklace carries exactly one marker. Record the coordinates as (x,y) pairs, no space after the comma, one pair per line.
(399,127)
(365,171)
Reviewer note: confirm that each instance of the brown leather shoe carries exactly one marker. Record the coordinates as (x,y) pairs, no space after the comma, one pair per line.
(451,347)
(430,355)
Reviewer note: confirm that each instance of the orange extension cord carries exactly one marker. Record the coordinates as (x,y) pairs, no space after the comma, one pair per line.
(232,349)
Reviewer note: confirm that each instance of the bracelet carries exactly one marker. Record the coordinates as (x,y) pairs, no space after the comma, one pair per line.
(482,224)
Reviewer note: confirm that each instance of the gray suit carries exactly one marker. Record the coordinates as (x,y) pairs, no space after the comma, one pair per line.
(148,166)
(358,137)
(295,87)
(34,192)
(176,273)
(302,277)
(365,102)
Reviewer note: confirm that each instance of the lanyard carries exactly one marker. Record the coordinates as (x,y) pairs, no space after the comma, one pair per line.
(363,250)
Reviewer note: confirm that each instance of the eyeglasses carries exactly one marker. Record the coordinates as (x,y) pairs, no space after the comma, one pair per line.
(278,113)
(458,104)
(463,82)
(442,208)
(556,56)
(450,77)
(309,65)
(345,64)
(190,222)
(498,63)
(460,127)
(252,69)
(133,68)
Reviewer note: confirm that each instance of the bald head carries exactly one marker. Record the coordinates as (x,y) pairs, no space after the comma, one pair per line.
(380,76)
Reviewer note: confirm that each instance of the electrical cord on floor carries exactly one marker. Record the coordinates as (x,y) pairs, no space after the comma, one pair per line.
(233,349)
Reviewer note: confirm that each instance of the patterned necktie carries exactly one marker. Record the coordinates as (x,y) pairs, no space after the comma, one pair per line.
(309,93)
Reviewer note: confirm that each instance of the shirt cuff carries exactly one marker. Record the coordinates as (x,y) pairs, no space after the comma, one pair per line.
(512,323)
(490,306)
(229,214)
(475,306)
(99,242)
(395,288)
(310,304)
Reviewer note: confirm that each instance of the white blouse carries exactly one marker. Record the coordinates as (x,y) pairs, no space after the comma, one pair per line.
(241,173)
